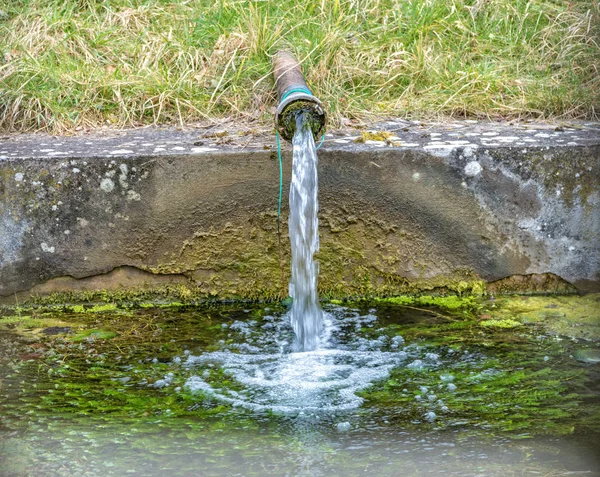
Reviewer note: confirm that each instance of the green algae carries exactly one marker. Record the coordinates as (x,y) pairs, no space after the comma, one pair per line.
(521,372)
(364,257)
(522,400)
(527,386)
(30,323)
(506,323)
(110,300)
(449,303)
(331,286)
(287,119)
(93,308)
(92,335)
(23,319)
(571,316)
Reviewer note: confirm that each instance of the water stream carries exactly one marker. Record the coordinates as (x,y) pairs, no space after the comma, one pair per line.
(325,365)
(306,315)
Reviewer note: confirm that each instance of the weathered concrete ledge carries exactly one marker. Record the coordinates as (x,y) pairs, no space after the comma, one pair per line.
(429,207)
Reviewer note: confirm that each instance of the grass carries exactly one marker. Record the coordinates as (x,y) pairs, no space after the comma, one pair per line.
(67,65)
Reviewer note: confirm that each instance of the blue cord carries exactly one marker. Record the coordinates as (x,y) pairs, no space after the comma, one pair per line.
(280,178)
(322,141)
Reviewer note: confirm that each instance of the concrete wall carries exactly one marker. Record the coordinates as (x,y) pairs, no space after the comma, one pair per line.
(419,211)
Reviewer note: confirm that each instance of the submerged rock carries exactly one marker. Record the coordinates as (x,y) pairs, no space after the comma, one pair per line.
(56,330)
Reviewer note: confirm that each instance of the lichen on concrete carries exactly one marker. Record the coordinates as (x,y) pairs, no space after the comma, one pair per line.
(545,283)
(443,213)
(373,136)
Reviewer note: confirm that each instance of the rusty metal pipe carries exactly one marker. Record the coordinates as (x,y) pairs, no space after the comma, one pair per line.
(295,97)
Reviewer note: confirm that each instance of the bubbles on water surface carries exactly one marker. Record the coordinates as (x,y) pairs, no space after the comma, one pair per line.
(343,426)
(166,381)
(257,369)
(430,416)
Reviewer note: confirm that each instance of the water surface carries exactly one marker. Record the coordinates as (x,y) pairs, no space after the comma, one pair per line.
(220,391)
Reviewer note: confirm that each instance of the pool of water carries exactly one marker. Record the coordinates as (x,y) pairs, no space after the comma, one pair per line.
(219,390)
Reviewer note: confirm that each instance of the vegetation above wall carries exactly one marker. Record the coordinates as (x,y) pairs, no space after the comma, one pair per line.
(73,64)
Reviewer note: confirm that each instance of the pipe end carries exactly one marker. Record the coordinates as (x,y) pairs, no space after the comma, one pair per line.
(295,103)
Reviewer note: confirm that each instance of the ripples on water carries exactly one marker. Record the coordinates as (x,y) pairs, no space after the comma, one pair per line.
(285,413)
(272,376)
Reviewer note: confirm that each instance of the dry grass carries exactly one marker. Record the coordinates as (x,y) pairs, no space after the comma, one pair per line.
(72,64)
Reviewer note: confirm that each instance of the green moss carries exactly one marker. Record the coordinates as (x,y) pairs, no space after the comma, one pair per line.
(242,263)
(329,288)
(5,320)
(103,301)
(102,308)
(506,323)
(264,285)
(450,303)
(93,335)
(573,316)
(287,120)
(21,323)
(508,388)
(374,136)
(521,399)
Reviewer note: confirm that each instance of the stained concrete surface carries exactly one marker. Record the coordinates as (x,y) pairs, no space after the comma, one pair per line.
(429,207)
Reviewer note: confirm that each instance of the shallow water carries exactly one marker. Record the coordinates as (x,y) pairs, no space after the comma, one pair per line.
(220,391)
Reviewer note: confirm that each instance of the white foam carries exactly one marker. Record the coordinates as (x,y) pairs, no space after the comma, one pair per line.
(271,377)
(258,369)
(316,380)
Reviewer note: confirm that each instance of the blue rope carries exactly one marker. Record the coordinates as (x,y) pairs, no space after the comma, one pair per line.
(280,178)
(322,141)
(279,211)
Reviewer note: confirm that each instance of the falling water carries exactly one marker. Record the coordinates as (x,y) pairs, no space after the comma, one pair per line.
(328,361)
(306,313)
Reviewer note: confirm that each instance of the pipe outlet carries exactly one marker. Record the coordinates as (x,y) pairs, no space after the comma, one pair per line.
(294,98)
